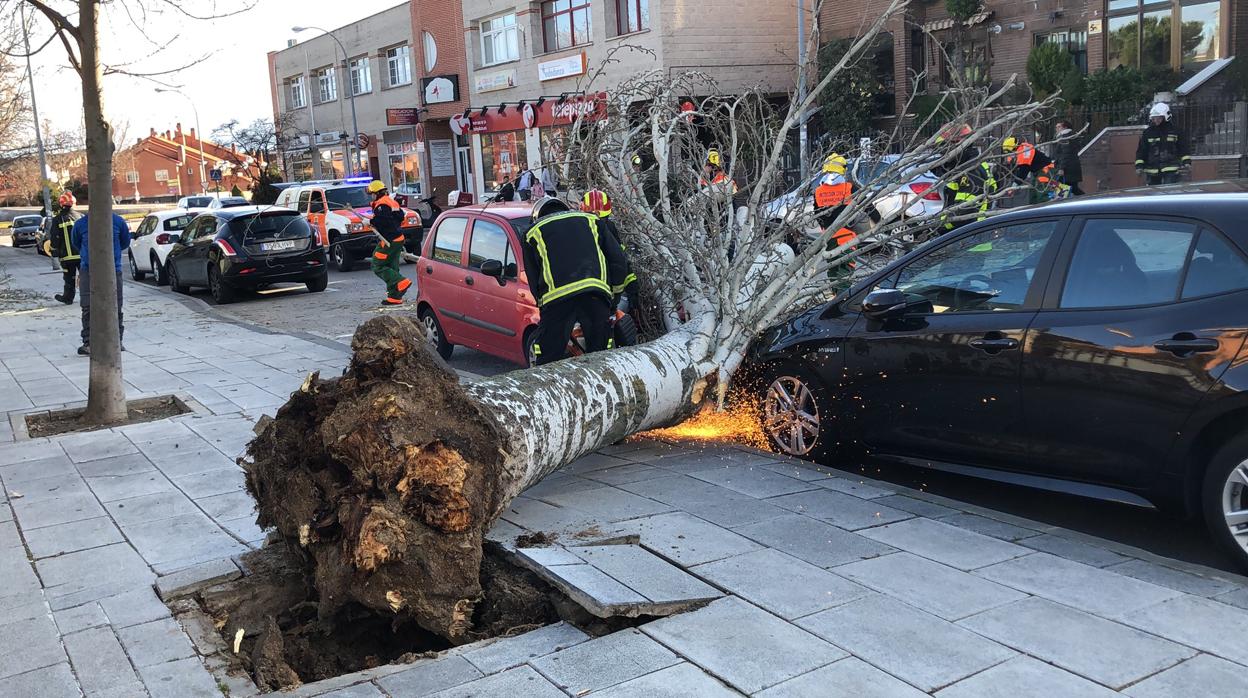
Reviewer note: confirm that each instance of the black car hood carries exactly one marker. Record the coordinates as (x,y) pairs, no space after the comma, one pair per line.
(819,323)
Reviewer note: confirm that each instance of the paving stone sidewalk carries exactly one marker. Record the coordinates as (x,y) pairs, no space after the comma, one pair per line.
(824,584)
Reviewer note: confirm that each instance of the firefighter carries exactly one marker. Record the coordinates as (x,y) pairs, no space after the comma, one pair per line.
(713,178)
(598,203)
(387,221)
(978,182)
(834,192)
(573,269)
(61,246)
(1023,161)
(1162,149)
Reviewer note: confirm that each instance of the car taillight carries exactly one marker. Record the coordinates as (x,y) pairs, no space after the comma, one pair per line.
(164,239)
(925,191)
(226,248)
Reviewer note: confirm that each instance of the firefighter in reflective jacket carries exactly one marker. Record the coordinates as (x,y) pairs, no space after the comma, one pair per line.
(387,221)
(1024,161)
(573,271)
(598,203)
(714,179)
(1162,149)
(61,247)
(977,184)
(834,192)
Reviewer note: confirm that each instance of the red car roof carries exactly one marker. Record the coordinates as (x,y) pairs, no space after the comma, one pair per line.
(506,209)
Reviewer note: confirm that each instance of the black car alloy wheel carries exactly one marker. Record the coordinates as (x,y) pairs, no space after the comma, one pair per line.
(1225,498)
(795,412)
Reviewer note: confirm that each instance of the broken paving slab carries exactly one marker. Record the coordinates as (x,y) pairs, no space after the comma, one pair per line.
(618,580)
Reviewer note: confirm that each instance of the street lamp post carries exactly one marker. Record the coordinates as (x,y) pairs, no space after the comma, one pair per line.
(199,131)
(43,160)
(355,129)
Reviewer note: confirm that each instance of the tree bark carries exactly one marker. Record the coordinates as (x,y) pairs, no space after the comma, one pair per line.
(389,477)
(106,394)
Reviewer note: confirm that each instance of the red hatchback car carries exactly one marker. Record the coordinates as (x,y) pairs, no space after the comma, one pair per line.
(472,288)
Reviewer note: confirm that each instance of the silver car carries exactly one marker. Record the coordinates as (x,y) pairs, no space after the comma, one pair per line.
(918,196)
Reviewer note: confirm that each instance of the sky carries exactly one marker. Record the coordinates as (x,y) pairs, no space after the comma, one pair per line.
(232,82)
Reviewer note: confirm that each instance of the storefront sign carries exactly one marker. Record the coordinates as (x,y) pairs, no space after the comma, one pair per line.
(499,80)
(440,89)
(1094,27)
(326,137)
(403,116)
(442,158)
(551,112)
(565,67)
(300,141)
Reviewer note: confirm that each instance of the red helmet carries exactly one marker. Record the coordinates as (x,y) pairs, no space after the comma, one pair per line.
(596,201)
(66,200)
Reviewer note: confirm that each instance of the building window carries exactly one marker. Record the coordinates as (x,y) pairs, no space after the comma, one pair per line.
(161,175)
(404,168)
(499,41)
(1144,35)
(298,98)
(431,51)
(327,83)
(503,155)
(398,61)
(632,15)
(361,76)
(1073,40)
(132,177)
(565,23)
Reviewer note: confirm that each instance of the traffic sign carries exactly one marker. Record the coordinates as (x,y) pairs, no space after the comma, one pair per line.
(214,174)
(363,140)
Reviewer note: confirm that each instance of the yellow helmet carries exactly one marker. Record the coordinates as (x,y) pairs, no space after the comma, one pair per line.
(835,164)
(375,186)
(712,157)
(1009,144)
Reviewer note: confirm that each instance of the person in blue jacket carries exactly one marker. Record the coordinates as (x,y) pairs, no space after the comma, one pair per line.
(121,241)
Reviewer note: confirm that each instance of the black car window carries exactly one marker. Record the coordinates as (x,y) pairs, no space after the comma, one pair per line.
(1216,267)
(234,202)
(448,243)
(988,271)
(1126,262)
(24,221)
(205,227)
(489,241)
(304,197)
(270,226)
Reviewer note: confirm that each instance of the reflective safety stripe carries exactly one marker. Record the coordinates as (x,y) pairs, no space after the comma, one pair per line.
(611,343)
(404,284)
(380,255)
(537,349)
(67,227)
(536,236)
(574,287)
(397,240)
(631,278)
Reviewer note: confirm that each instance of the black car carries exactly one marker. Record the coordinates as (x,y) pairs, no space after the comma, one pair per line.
(245,248)
(1093,346)
(25,230)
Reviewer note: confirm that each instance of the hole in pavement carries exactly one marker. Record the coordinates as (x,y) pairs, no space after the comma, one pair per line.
(285,643)
(69,421)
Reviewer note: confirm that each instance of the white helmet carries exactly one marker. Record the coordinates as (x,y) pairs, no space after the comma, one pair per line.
(1160,109)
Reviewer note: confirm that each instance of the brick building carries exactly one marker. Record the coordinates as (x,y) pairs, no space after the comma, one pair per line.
(529,61)
(404,70)
(167,165)
(1182,34)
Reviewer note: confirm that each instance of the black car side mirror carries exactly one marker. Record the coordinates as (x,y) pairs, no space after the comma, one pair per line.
(494,268)
(889,304)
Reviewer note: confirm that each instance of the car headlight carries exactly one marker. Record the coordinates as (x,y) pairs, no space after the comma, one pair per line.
(413,220)
(356,227)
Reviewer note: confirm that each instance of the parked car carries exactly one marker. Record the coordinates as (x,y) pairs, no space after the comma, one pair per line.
(244,248)
(227,202)
(25,230)
(152,241)
(196,203)
(1095,346)
(339,210)
(472,287)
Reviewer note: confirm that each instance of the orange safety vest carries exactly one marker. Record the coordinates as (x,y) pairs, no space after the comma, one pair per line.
(829,195)
(388,201)
(720,178)
(1024,154)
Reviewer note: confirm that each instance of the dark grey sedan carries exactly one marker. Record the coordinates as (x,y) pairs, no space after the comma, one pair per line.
(25,230)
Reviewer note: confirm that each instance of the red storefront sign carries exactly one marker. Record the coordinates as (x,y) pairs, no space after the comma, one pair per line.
(402,116)
(552,112)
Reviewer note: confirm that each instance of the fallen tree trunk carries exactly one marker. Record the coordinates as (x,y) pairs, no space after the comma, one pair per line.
(389,476)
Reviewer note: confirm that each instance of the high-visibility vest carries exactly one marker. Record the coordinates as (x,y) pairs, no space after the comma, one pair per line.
(582,266)
(67,227)
(829,195)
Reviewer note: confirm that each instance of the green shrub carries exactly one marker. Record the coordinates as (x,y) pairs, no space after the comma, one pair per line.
(962,10)
(235,191)
(1050,68)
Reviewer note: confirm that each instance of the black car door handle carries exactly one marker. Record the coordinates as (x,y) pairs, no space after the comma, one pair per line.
(468,280)
(1183,347)
(994,345)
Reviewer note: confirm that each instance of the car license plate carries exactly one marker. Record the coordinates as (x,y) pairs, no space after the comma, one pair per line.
(277,246)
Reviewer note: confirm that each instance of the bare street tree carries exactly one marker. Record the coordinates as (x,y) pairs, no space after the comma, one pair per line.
(389,477)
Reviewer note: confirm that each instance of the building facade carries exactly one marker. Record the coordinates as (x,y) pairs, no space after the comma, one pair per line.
(403,69)
(168,165)
(535,66)
(919,50)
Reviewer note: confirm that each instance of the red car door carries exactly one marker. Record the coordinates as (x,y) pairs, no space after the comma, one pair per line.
(441,277)
(500,310)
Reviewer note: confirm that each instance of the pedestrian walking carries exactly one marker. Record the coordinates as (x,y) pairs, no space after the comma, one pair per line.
(388,255)
(574,273)
(1066,155)
(1163,149)
(78,239)
(61,246)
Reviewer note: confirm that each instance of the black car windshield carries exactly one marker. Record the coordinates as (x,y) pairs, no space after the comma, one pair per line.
(178,222)
(22,221)
(199,202)
(348,197)
(234,202)
(282,225)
